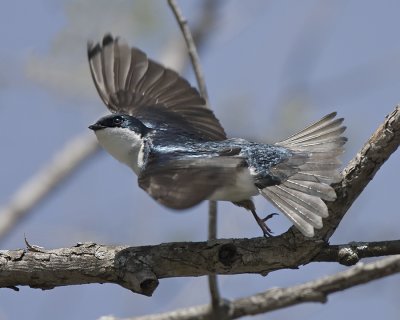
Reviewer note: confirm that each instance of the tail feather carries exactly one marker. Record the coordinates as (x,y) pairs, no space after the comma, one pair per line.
(316,176)
(324,136)
(321,146)
(325,123)
(310,202)
(318,166)
(307,175)
(301,218)
(320,190)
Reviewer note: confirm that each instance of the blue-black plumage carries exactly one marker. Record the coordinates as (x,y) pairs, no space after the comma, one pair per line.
(162,129)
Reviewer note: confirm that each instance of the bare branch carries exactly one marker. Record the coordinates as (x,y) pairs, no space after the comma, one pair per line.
(361,170)
(194,57)
(140,268)
(212,207)
(352,253)
(278,298)
(317,290)
(212,235)
(84,263)
(40,185)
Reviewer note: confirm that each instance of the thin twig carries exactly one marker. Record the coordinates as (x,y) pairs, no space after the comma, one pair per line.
(212,235)
(212,208)
(279,298)
(194,57)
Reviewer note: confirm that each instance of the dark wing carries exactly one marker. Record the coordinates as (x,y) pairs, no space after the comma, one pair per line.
(183,183)
(128,82)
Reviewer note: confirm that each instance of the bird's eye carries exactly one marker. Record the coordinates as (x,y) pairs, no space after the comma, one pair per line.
(117,121)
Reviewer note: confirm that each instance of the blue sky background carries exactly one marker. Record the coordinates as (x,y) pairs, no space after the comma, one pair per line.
(271,67)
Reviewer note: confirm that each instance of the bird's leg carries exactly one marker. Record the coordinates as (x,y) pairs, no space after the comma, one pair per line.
(249,205)
(262,223)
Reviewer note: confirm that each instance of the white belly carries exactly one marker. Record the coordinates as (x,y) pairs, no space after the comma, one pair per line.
(243,189)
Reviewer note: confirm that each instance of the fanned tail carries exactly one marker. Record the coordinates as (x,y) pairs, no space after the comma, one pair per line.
(307,175)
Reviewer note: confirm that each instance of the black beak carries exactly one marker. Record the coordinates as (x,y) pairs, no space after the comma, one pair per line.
(96,127)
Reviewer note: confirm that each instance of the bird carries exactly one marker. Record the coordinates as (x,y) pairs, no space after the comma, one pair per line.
(162,128)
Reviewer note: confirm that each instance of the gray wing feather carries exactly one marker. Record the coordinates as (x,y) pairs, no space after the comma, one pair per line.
(183,183)
(128,82)
(95,62)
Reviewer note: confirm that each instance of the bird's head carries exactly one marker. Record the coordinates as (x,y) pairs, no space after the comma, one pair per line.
(122,136)
(119,123)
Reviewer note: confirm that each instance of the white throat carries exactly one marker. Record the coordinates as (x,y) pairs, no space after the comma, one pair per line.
(124,145)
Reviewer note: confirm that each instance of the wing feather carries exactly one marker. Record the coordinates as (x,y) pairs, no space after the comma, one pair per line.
(128,82)
(183,183)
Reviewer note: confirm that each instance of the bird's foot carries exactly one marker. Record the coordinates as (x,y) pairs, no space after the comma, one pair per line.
(262,223)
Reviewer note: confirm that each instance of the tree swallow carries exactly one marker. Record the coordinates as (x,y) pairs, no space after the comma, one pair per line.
(163,130)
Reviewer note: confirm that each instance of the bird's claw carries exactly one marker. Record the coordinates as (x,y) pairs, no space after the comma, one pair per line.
(267,232)
(269,216)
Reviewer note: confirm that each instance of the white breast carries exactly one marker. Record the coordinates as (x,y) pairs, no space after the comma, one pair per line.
(243,189)
(124,145)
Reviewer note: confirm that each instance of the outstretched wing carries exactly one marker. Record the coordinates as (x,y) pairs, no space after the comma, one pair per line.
(183,183)
(128,82)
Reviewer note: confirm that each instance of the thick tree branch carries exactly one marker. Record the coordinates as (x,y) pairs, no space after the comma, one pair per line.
(140,268)
(362,169)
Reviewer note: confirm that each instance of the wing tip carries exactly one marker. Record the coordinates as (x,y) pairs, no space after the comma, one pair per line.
(95,48)
(108,39)
(330,115)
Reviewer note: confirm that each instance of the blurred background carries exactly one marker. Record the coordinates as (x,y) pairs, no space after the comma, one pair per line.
(271,67)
